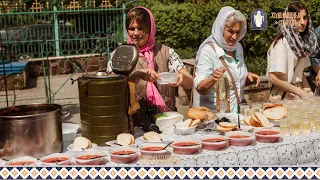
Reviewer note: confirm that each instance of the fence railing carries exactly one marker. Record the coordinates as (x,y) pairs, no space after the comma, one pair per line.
(73,28)
(34,29)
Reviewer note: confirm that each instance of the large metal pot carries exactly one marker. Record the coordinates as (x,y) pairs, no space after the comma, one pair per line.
(30,130)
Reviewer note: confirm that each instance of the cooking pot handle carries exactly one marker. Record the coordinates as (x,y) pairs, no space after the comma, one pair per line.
(65,113)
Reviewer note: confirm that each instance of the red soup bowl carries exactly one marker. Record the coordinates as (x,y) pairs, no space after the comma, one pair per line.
(185,147)
(267,135)
(153,149)
(124,154)
(240,138)
(56,159)
(23,161)
(90,158)
(214,142)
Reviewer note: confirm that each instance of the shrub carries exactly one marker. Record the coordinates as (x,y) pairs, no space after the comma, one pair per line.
(185,25)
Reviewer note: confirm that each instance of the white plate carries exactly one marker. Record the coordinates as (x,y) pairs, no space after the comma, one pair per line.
(136,143)
(71,146)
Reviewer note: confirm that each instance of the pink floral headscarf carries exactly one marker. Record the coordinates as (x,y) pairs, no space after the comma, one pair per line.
(146,51)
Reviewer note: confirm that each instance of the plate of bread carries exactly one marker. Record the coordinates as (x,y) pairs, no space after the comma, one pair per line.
(270,116)
(81,144)
(227,122)
(204,114)
(153,137)
(124,139)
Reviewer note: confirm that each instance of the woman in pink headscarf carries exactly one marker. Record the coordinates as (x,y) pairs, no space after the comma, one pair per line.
(154,58)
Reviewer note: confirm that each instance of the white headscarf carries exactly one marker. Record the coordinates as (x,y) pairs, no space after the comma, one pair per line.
(218,28)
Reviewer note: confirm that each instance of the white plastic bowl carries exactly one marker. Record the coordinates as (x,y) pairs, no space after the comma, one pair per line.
(263,135)
(212,145)
(183,129)
(121,158)
(81,159)
(22,161)
(166,77)
(185,146)
(245,139)
(56,159)
(69,131)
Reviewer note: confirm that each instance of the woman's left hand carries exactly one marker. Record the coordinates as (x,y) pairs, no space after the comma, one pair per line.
(254,77)
(179,80)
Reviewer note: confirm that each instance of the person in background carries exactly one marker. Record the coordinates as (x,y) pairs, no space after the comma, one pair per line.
(315,61)
(288,56)
(228,29)
(154,58)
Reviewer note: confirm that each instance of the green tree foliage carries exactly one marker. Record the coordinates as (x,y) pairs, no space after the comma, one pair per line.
(183,25)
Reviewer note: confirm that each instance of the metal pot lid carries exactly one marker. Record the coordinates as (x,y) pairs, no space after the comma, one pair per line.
(124,59)
(102,75)
(28,110)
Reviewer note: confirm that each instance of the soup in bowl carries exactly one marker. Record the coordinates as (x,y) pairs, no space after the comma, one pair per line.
(214,142)
(124,154)
(267,135)
(153,149)
(185,147)
(240,138)
(90,158)
(23,161)
(56,159)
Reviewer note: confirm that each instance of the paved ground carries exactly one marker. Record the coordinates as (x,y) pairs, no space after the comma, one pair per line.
(64,93)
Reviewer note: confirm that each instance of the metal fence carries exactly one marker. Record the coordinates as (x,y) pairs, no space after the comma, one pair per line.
(62,28)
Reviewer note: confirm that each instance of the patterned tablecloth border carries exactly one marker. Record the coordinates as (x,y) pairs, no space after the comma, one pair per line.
(296,172)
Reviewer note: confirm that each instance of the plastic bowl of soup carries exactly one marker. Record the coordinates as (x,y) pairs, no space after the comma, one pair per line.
(23,161)
(185,147)
(90,158)
(214,142)
(267,135)
(56,159)
(240,138)
(153,149)
(124,154)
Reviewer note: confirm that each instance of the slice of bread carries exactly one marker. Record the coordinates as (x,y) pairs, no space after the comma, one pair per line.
(223,129)
(264,121)
(203,108)
(270,105)
(152,136)
(124,139)
(254,121)
(228,125)
(195,122)
(132,139)
(81,143)
(246,120)
(275,113)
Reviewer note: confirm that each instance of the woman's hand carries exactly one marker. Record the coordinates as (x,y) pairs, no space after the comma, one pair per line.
(254,77)
(179,80)
(149,75)
(218,73)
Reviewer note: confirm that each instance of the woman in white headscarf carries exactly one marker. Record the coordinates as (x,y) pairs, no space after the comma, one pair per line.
(228,29)
(288,56)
